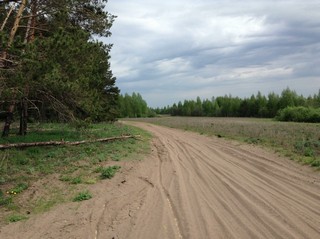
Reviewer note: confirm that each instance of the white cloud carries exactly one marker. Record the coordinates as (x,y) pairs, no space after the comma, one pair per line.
(173,50)
(172,65)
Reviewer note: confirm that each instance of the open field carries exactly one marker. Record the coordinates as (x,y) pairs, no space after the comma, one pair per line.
(33,180)
(298,141)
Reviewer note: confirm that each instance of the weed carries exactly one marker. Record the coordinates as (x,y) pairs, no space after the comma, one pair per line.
(90,181)
(4,200)
(253,140)
(109,172)
(98,169)
(76,180)
(74,163)
(65,178)
(116,157)
(82,196)
(2,180)
(18,189)
(52,197)
(16,218)
(308,152)
(315,163)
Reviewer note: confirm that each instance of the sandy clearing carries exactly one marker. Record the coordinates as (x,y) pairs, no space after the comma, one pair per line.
(191,186)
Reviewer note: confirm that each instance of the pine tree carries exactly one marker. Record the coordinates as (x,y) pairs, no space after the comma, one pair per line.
(49,56)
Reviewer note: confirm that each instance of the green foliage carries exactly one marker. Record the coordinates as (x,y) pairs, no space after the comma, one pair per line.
(134,106)
(86,195)
(74,76)
(108,172)
(308,148)
(60,67)
(18,189)
(255,106)
(16,218)
(36,161)
(4,200)
(70,164)
(76,180)
(299,114)
(65,178)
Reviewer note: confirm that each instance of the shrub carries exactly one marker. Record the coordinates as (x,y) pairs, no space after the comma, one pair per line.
(76,180)
(82,196)
(109,172)
(4,200)
(299,114)
(18,189)
(16,218)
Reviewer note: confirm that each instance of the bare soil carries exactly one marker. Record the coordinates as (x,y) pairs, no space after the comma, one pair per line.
(191,186)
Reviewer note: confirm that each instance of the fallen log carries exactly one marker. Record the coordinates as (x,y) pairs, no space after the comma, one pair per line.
(54,143)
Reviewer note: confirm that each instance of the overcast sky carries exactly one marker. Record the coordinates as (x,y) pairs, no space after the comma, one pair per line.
(171,50)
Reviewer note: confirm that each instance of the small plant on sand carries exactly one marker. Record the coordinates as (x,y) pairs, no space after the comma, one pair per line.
(4,200)
(18,189)
(109,172)
(16,218)
(86,195)
(76,180)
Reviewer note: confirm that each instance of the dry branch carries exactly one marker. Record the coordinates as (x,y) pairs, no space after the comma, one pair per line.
(6,19)
(55,143)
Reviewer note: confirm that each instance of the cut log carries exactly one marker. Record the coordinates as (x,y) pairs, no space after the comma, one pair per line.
(55,143)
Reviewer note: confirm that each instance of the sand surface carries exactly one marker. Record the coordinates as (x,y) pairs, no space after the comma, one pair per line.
(191,186)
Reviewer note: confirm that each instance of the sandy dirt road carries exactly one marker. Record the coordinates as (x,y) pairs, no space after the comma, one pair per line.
(191,186)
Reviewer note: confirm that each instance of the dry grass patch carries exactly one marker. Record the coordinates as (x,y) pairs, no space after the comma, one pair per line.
(298,141)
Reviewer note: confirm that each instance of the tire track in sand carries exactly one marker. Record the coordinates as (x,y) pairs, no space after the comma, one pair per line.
(223,190)
(191,186)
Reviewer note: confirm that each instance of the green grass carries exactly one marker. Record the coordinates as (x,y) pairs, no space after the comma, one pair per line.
(73,165)
(86,195)
(298,141)
(108,172)
(18,188)
(5,199)
(36,161)
(53,196)
(16,218)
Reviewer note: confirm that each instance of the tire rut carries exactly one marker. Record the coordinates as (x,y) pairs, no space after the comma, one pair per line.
(191,186)
(223,190)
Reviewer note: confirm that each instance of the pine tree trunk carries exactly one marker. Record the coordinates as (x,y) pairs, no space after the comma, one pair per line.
(33,20)
(9,118)
(23,116)
(14,28)
(6,19)
(30,32)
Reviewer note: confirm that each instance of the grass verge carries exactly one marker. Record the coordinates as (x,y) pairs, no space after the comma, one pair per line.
(297,141)
(33,180)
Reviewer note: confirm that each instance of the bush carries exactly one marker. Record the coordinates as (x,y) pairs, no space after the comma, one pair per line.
(82,196)
(4,200)
(299,114)
(109,172)
(18,189)
(76,180)
(16,218)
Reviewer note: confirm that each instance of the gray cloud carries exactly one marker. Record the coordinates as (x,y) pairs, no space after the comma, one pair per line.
(175,50)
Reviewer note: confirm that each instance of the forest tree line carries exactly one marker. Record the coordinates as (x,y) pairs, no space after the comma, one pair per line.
(51,66)
(134,106)
(256,106)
